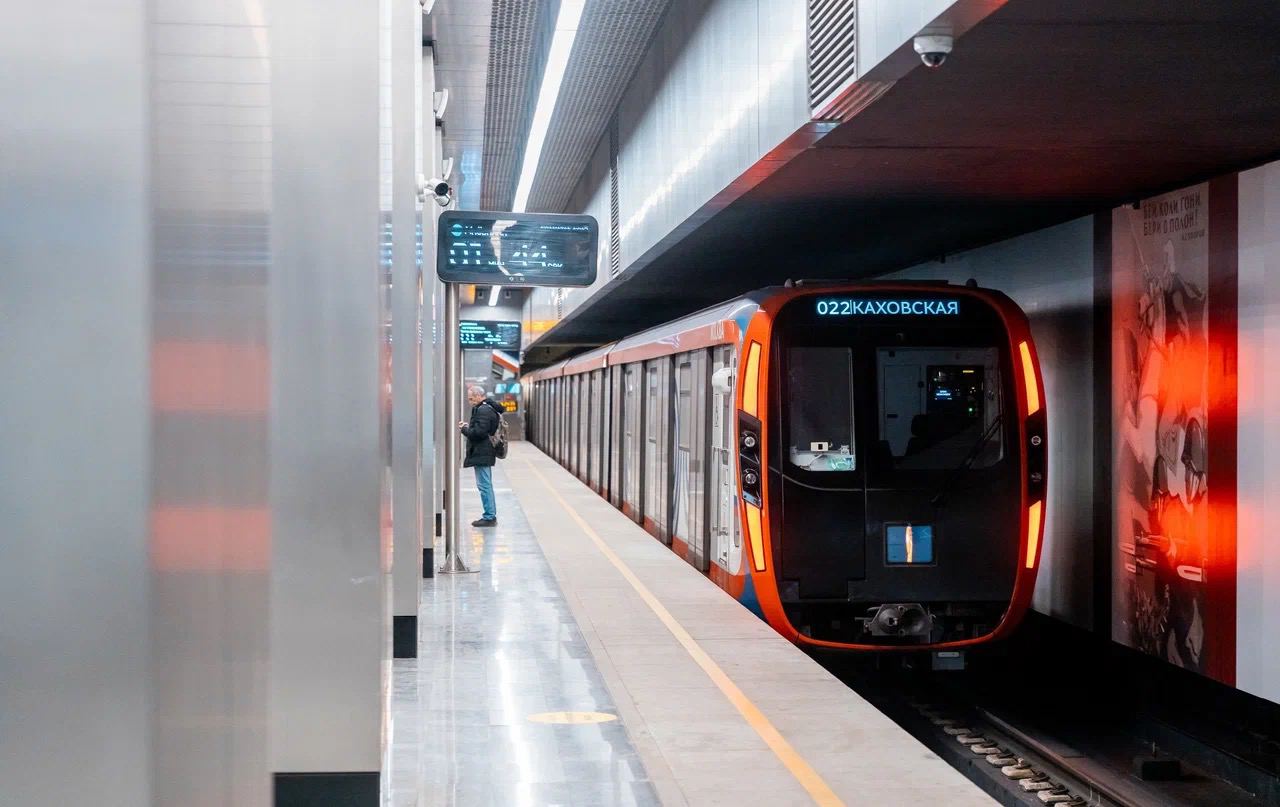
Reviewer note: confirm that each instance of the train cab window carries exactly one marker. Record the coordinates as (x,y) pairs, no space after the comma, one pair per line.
(820,421)
(939,406)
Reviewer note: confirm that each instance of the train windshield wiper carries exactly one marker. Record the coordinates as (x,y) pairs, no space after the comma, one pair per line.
(939,498)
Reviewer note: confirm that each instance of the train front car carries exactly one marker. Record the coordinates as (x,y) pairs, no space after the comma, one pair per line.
(891,446)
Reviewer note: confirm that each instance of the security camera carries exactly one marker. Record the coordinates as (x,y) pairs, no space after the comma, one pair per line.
(933,49)
(437,188)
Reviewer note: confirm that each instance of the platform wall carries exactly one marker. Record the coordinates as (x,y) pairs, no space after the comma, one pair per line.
(1166,473)
(1258,436)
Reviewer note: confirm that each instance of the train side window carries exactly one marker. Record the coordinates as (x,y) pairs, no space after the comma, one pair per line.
(820,408)
(939,405)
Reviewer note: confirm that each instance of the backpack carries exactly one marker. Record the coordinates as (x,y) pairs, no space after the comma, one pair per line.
(499,437)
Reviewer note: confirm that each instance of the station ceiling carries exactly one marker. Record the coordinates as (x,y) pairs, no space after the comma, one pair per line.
(490,54)
(1045,111)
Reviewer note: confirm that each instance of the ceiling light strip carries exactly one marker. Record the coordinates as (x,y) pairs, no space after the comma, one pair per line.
(552,77)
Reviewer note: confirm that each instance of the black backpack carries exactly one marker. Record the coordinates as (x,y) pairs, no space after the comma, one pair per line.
(499,437)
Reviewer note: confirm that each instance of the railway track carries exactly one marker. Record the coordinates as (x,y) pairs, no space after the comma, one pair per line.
(1030,735)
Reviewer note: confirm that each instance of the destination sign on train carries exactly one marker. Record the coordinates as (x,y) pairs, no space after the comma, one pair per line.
(881,307)
(493,335)
(516,249)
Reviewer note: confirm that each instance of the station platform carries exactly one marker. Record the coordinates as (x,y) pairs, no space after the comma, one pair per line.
(583,663)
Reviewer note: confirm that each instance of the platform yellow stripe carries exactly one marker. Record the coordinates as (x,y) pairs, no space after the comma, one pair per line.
(804,773)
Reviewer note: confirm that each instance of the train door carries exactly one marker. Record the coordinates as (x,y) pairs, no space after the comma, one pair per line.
(579,433)
(633,440)
(592,419)
(615,450)
(561,406)
(723,524)
(588,419)
(575,413)
(681,528)
(657,435)
(689,439)
(600,430)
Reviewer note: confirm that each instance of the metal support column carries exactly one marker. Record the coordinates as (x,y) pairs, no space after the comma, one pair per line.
(453,563)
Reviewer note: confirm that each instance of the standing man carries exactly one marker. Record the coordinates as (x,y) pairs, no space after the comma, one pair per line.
(485,417)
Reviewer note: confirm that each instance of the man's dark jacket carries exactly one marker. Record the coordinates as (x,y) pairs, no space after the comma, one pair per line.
(484,422)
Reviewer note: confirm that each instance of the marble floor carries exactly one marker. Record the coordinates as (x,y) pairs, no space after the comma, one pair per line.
(475,719)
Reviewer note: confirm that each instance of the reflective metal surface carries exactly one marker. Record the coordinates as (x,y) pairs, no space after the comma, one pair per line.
(499,648)
(406,307)
(213,375)
(75,305)
(329,632)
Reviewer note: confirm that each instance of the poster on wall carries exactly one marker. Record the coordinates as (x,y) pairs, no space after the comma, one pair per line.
(1173,420)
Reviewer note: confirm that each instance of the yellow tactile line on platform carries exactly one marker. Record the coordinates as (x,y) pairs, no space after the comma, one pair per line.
(796,764)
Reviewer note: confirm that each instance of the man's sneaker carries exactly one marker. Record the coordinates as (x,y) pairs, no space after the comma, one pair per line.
(484,522)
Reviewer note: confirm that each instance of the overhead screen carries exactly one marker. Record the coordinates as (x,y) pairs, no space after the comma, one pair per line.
(489,335)
(516,249)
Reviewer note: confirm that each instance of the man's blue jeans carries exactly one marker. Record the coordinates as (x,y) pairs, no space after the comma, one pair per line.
(484,481)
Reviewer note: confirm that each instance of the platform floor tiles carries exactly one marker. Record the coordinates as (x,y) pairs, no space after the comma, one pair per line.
(576,615)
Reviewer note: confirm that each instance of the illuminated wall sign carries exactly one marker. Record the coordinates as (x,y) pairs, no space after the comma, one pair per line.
(489,335)
(516,249)
(854,307)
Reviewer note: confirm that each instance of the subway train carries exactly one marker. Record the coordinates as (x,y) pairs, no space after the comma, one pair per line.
(861,464)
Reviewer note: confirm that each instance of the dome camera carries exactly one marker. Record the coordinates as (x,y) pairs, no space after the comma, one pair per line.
(933,49)
(439,189)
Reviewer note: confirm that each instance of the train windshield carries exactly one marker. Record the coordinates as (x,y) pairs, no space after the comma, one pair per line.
(940,407)
(820,380)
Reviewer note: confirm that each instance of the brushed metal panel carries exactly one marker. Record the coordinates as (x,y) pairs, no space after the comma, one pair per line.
(211,520)
(329,623)
(74,468)
(406,308)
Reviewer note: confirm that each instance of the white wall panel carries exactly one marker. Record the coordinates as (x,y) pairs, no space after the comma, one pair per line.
(1258,471)
(723,83)
(883,25)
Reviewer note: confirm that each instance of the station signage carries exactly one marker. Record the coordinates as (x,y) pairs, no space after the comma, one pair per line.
(516,249)
(489,335)
(856,307)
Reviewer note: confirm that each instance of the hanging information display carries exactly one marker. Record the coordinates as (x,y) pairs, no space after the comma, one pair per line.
(516,249)
(489,335)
